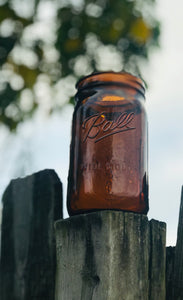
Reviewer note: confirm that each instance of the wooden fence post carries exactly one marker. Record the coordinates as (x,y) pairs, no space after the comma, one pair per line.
(110,255)
(177,278)
(106,255)
(170,257)
(28,258)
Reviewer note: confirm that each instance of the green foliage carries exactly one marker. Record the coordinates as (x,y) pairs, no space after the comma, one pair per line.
(45,57)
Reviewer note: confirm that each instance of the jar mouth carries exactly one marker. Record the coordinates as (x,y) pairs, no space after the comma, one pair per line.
(110,77)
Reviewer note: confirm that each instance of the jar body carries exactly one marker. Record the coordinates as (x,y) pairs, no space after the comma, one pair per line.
(108,154)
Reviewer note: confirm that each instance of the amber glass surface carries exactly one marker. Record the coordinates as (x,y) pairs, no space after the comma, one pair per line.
(108,154)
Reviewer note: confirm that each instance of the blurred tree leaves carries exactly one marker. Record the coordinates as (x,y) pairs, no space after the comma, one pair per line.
(45,46)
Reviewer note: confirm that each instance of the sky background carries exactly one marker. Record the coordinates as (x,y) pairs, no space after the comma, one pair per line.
(44,142)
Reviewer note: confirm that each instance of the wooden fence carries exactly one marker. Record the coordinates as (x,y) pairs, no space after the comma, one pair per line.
(107,255)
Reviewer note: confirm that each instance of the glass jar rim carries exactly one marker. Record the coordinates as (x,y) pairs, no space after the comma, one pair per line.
(111,77)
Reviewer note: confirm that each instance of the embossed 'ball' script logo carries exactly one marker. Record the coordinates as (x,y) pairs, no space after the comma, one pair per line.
(98,127)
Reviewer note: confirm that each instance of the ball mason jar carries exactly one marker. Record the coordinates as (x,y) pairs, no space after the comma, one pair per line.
(108,151)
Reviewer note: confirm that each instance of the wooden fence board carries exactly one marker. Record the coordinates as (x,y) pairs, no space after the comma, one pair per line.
(27,265)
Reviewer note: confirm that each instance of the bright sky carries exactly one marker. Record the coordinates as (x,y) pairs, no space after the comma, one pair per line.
(44,143)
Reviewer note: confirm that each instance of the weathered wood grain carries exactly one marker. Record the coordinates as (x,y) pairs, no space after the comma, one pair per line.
(170,257)
(157,260)
(110,255)
(28,259)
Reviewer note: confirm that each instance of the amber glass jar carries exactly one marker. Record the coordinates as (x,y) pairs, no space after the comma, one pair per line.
(108,154)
